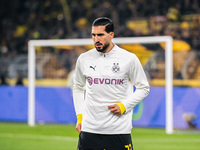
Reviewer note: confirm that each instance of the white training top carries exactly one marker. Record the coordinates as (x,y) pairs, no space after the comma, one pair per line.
(103,79)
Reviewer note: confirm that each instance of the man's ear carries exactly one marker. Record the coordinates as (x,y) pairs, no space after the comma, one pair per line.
(112,34)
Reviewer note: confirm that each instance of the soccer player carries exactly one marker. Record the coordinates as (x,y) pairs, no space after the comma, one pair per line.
(103,91)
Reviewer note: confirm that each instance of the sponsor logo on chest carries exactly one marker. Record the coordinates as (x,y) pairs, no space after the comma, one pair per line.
(104,81)
(115,68)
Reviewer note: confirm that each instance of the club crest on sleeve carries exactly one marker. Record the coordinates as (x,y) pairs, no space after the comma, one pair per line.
(115,67)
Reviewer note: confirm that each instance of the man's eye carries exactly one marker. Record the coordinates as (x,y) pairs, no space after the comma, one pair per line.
(94,35)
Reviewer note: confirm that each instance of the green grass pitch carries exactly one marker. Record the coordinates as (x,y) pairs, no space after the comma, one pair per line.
(19,136)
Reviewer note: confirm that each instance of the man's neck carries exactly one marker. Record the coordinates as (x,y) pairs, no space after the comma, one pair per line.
(109,48)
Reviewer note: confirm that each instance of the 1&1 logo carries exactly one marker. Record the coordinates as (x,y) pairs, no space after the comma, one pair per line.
(138,111)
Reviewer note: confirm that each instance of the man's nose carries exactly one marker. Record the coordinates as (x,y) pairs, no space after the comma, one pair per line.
(96,39)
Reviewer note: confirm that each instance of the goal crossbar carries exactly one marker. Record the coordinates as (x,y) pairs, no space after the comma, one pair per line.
(81,42)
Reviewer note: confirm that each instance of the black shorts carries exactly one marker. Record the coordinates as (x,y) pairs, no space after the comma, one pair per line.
(91,141)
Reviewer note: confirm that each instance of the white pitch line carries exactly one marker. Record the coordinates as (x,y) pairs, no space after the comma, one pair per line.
(166,140)
(41,137)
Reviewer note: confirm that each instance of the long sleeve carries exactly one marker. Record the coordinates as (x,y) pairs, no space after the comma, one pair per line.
(138,79)
(104,80)
(78,88)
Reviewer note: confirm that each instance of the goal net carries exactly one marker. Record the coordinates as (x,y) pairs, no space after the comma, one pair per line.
(43,64)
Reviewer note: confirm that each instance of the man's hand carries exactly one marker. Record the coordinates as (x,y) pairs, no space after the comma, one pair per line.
(115,109)
(78,127)
(79,122)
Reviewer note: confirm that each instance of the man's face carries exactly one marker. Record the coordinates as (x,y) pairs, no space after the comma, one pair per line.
(101,38)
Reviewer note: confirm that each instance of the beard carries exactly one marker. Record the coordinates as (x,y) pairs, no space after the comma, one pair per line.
(103,49)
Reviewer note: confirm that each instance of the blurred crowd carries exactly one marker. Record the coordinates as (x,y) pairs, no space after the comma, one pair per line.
(23,20)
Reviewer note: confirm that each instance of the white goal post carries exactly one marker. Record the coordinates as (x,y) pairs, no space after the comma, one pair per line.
(80,42)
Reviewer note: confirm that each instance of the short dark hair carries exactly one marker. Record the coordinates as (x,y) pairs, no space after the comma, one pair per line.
(104,21)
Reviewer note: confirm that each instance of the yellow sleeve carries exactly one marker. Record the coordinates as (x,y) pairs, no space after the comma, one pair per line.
(122,107)
(79,118)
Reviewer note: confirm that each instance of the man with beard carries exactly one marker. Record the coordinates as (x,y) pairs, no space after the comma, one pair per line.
(103,91)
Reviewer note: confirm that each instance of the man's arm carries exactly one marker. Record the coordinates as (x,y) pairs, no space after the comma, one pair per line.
(138,79)
(78,93)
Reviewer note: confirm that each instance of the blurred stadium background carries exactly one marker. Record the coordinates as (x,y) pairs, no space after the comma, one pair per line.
(24,20)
